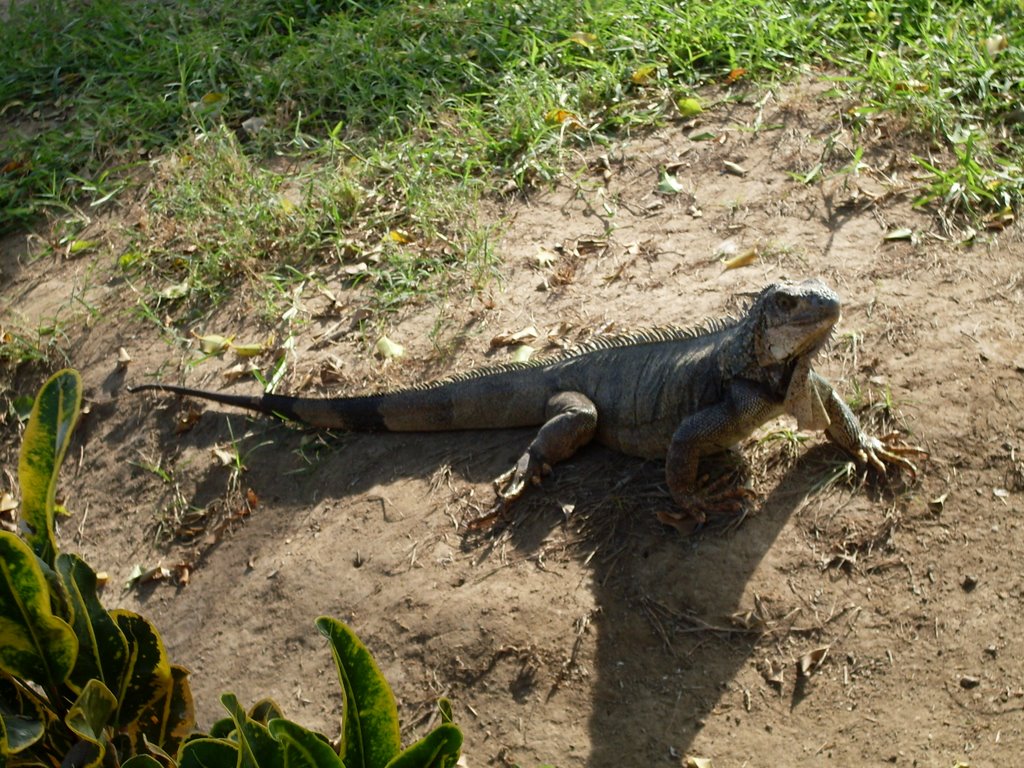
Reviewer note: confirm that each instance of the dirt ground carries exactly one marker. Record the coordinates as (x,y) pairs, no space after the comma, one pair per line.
(585,633)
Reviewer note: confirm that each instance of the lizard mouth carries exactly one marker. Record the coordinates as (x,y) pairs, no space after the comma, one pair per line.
(798,339)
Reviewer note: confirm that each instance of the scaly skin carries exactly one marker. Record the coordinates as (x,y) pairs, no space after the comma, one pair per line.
(672,393)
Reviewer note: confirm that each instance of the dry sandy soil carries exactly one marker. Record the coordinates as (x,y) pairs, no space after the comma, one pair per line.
(583,632)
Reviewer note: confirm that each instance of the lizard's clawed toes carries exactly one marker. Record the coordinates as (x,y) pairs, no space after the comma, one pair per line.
(891,450)
(528,471)
(509,486)
(709,505)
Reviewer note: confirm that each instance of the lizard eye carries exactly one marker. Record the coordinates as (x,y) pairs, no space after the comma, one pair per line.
(785,302)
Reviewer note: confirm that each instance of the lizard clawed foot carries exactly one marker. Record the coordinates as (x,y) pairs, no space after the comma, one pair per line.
(714,501)
(510,486)
(890,450)
(528,470)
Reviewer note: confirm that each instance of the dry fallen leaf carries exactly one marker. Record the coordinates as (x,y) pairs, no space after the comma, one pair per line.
(213,344)
(915,86)
(995,44)
(76,247)
(254,125)
(187,420)
(773,674)
(585,39)
(174,292)
(225,457)
(734,75)
(642,75)
(562,117)
(734,168)
(388,349)
(938,503)
(240,371)
(742,260)
(7,502)
(903,233)
(545,258)
(212,98)
(184,573)
(1000,219)
(248,350)
(140,575)
(669,184)
(689,107)
(807,664)
(522,353)
(526,335)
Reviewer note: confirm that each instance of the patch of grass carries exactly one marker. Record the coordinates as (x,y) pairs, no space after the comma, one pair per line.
(977,183)
(958,70)
(19,346)
(34,345)
(874,405)
(406,115)
(216,215)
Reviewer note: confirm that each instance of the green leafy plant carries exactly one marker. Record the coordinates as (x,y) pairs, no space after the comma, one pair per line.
(79,685)
(369,731)
(978,183)
(83,686)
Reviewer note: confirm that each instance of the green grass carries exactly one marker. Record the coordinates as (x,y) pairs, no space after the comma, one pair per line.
(405,115)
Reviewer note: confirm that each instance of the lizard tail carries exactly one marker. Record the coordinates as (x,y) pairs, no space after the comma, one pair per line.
(274,405)
(353,413)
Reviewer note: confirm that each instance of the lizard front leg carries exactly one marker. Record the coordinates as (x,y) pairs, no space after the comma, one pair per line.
(571,421)
(745,407)
(845,431)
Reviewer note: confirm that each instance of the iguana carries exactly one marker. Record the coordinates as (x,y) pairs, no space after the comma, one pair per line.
(668,392)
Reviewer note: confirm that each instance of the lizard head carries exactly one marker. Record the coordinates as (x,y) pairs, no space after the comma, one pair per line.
(793,320)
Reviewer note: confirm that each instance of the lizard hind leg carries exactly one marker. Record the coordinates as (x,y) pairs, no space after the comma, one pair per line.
(570,423)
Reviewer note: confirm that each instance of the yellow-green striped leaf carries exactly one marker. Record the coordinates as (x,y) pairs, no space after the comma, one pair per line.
(223,728)
(256,747)
(23,719)
(302,748)
(438,749)
(147,674)
(370,736)
(444,706)
(170,718)
(102,648)
(208,753)
(144,761)
(42,450)
(265,710)
(34,644)
(87,718)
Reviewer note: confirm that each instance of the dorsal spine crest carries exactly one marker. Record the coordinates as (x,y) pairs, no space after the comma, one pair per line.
(653,335)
